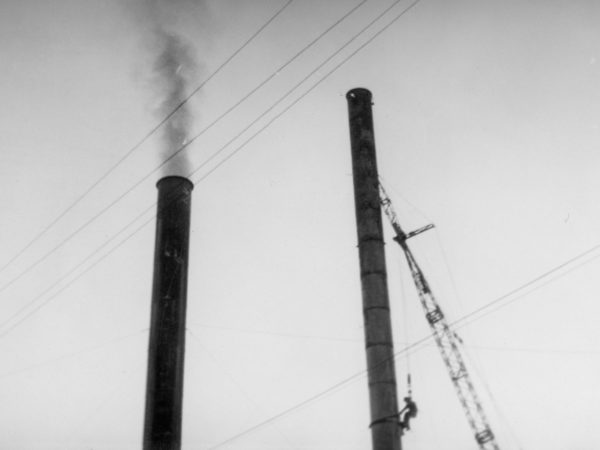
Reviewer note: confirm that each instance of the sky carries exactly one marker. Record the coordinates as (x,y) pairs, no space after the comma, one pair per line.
(487,122)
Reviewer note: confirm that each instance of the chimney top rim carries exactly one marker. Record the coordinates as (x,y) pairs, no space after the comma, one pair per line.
(179,178)
(359,92)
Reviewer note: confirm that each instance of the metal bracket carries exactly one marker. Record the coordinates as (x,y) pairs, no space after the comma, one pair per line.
(420,230)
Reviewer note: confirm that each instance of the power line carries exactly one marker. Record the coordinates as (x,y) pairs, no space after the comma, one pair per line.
(286,95)
(287,411)
(63,288)
(229,375)
(355,377)
(108,397)
(546,351)
(262,129)
(461,322)
(144,139)
(96,216)
(78,353)
(413,346)
(82,262)
(186,144)
(314,86)
(479,317)
(333,388)
(275,333)
(327,75)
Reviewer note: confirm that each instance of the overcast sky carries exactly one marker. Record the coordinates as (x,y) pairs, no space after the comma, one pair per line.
(487,119)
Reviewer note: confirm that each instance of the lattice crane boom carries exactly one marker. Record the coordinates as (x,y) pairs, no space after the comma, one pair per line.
(445,338)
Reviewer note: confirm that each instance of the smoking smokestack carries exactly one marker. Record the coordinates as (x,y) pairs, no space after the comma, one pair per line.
(164,387)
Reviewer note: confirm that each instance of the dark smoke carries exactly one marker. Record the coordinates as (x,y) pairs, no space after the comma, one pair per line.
(174,71)
(174,64)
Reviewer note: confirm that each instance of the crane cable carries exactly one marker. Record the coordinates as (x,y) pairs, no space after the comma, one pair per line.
(406,332)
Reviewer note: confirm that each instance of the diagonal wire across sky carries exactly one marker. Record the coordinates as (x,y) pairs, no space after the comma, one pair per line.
(222,148)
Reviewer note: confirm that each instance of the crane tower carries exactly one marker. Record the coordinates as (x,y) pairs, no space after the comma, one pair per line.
(445,338)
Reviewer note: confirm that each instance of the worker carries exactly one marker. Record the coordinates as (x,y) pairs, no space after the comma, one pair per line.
(403,417)
(408,412)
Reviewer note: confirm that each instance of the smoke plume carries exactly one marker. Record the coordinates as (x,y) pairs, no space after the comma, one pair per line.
(174,68)
(174,61)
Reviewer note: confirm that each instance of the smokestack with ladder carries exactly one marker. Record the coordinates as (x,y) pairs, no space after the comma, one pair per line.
(164,386)
(385,428)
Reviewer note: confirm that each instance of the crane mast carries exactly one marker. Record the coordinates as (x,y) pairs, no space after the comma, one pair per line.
(445,338)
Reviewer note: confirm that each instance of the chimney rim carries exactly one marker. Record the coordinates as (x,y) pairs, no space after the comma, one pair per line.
(180,178)
(359,92)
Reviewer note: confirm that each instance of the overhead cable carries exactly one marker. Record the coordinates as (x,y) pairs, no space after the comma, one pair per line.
(144,139)
(179,150)
(412,346)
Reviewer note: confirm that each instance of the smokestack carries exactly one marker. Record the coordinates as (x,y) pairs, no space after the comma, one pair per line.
(385,429)
(164,385)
